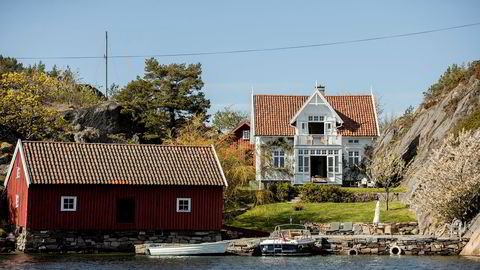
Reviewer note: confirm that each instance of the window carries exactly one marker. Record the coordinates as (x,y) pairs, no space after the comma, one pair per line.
(278,159)
(69,203)
(316,118)
(337,165)
(246,134)
(184,205)
(353,158)
(352,141)
(18,172)
(331,165)
(304,126)
(300,164)
(306,163)
(125,210)
(17,201)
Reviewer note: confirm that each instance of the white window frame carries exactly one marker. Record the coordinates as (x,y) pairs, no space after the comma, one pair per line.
(18,172)
(277,156)
(62,204)
(354,156)
(246,134)
(17,201)
(189,200)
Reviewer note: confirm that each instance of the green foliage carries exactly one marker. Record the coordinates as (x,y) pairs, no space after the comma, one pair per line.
(311,192)
(29,103)
(9,64)
(264,197)
(227,118)
(454,75)
(266,217)
(266,165)
(471,122)
(281,191)
(166,98)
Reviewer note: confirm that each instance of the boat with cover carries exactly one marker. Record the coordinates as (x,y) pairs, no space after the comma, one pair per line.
(288,239)
(213,248)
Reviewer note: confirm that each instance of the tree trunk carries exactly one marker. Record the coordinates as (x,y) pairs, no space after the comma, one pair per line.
(387,191)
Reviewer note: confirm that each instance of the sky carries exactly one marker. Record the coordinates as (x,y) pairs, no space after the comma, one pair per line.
(398,70)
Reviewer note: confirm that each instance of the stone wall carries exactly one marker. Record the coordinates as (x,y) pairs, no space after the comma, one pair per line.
(366,245)
(381,245)
(104,241)
(7,244)
(395,228)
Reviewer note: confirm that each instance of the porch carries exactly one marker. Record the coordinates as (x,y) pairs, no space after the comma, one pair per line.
(321,166)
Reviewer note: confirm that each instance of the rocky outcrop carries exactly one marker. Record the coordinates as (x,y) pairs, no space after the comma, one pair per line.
(103,123)
(417,134)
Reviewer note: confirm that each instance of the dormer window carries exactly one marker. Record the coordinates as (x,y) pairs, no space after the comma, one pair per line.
(246,134)
(316,118)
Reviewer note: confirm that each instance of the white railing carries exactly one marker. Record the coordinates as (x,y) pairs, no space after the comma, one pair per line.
(317,139)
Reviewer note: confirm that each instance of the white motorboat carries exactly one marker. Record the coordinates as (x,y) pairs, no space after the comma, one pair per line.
(288,239)
(188,249)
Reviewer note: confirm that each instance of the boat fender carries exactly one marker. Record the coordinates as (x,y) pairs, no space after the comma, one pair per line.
(353,252)
(395,250)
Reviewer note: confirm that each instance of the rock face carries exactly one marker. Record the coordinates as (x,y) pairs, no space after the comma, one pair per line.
(101,123)
(426,131)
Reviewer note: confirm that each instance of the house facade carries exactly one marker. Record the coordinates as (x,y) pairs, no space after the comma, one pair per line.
(315,138)
(116,188)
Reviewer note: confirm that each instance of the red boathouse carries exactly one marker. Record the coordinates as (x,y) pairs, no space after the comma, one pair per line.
(57,186)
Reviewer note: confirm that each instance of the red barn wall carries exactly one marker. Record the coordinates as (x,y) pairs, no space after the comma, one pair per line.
(155,207)
(17,186)
(238,141)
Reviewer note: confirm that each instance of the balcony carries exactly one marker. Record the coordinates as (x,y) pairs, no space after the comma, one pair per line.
(317,139)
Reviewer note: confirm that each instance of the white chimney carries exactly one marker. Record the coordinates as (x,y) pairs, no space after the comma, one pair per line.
(321,89)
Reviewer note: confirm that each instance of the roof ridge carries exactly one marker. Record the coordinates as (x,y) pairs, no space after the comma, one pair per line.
(126,144)
(286,95)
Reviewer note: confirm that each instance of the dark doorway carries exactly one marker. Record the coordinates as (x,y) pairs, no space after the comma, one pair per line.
(125,210)
(316,128)
(319,166)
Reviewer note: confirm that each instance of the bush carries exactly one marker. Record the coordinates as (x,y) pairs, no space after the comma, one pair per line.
(298,207)
(315,193)
(324,193)
(264,197)
(283,191)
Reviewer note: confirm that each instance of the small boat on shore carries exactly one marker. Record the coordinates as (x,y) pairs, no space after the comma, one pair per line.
(213,248)
(288,239)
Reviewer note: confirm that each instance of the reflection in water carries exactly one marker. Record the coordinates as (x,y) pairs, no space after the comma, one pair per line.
(101,261)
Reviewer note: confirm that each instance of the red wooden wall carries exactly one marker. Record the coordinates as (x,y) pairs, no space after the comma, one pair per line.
(155,207)
(17,216)
(238,141)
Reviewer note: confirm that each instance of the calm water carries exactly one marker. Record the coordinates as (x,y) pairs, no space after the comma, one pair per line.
(87,262)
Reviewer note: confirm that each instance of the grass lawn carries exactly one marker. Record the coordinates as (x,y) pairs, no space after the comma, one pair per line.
(373,190)
(266,217)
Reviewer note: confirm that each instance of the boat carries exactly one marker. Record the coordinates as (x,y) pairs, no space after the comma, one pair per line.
(213,248)
(288,239)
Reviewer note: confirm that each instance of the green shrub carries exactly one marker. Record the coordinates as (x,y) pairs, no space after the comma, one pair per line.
(471,122)
(324,193)
(264,197)
(281,191)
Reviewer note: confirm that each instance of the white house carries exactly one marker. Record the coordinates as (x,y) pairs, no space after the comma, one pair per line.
(310,138)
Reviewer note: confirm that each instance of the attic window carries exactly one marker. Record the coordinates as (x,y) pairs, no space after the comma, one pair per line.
(316,118)
(18,173)
(17,201)
(246,134)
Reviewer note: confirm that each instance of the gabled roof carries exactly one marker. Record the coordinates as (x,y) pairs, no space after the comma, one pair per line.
(273,113)
(126,164)
(316,95)
(240,125)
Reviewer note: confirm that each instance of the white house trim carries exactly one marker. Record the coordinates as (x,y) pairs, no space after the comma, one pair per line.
(375,112)
(18,148)
(252,120)
(317,92)
(219,166)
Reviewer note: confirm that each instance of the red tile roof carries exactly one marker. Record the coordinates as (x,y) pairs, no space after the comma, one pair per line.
(274,112)
(128,164)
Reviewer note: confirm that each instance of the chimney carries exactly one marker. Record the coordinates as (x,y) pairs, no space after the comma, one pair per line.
(321,89)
